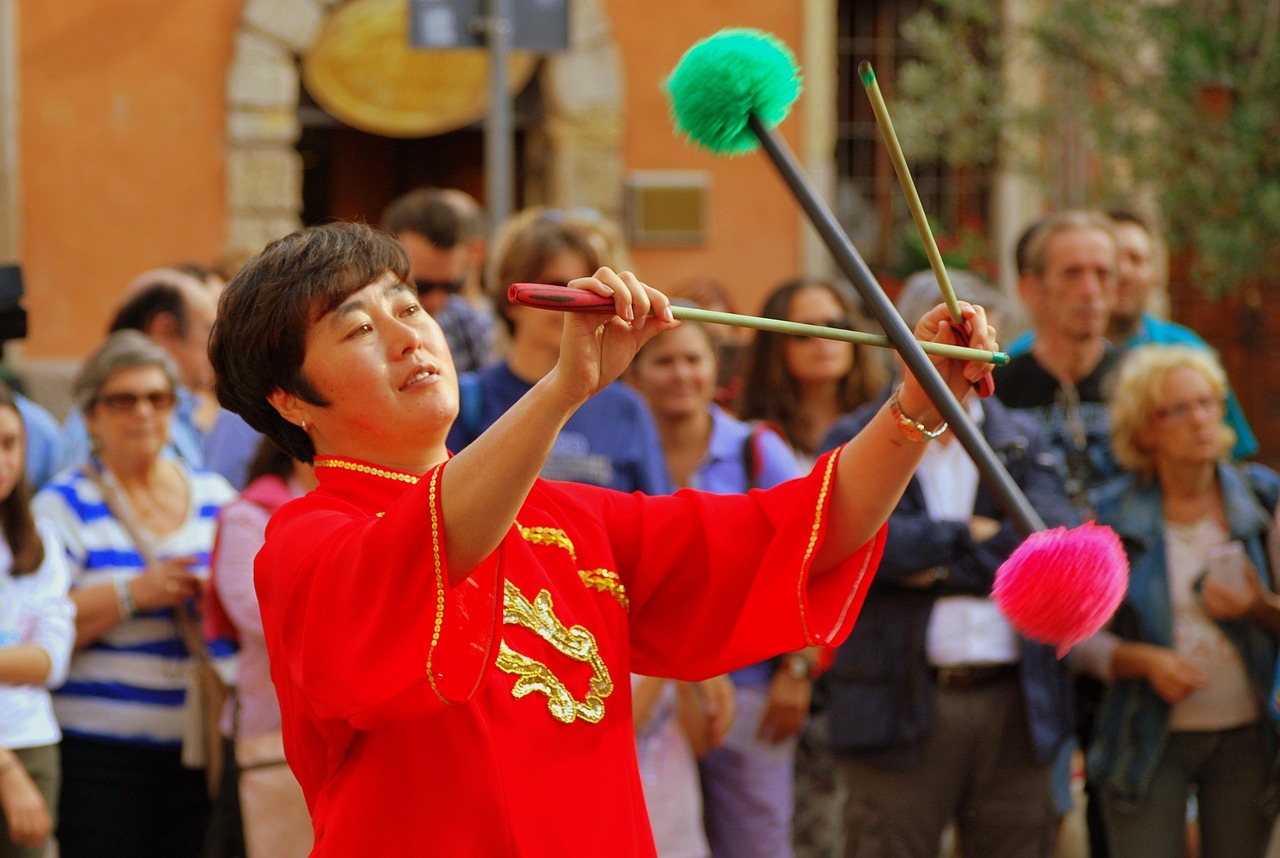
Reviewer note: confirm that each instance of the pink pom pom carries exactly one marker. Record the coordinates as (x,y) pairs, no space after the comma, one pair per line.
(1060,586)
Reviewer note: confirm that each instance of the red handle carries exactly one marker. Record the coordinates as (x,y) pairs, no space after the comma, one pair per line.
(985,385)
(566,298)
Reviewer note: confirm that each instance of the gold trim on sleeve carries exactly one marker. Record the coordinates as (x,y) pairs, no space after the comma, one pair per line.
(813,543)
(439,570)
(575,642)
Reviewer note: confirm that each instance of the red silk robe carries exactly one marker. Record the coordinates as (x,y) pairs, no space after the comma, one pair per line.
(493,718)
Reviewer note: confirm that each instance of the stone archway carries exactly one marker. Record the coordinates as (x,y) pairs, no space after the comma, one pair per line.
(578,159)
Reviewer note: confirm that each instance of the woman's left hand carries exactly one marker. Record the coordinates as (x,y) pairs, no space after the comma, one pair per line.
(595,349)
(935,326)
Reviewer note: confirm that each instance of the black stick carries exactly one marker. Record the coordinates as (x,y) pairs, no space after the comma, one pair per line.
(847,257)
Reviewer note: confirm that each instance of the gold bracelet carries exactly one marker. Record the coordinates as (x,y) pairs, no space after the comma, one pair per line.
(913,430)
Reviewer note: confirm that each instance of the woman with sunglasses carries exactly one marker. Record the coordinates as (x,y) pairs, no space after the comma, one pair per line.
(802,384)
(125,791)
(450,636)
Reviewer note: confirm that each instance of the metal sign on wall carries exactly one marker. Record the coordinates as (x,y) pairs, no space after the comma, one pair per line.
(541,26)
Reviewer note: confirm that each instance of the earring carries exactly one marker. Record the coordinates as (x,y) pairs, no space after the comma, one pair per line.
(304,424)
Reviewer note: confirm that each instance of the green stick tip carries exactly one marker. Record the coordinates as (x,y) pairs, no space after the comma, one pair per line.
(866,73)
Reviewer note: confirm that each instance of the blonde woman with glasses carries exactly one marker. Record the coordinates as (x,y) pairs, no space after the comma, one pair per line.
(1194,649)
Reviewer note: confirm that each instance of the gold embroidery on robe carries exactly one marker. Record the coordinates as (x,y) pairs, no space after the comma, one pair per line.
(575,642)
(548,536)
(606,581)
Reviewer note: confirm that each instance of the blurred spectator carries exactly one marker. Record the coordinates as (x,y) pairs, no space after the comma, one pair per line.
(940,710)
(673,728)
(611,440)
(1131,322)
(176,311)
(137,527)
(276,821)
(748,782)
(731,342)
(1196,650)
(802,385)
(443,233)
(37,628)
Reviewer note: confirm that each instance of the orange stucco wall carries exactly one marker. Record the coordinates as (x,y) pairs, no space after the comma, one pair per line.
(121,127)
(754,222)
(121,147)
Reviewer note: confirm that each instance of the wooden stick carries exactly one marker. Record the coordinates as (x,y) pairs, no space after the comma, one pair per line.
(890,138)
(878,304)
(583,300)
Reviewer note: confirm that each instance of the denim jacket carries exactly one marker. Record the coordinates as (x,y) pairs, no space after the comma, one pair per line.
(880,687)
(1133,725)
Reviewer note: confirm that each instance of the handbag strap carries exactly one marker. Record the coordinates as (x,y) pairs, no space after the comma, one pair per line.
(188,628)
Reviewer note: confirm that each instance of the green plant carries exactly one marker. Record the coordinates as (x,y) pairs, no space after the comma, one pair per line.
(1179,100)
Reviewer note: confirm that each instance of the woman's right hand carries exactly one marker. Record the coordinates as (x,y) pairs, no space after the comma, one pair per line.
(595,348)
(25,811)
(165,583)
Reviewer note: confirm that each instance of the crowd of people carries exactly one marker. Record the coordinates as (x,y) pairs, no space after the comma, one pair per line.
(481,576)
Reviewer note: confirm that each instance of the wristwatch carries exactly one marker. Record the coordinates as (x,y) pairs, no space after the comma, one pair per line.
(913,430)
(798,666)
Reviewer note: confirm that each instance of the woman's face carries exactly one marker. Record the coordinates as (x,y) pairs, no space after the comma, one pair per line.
(1186,428)
(810,360)
(382,364)
(12,450)
(676,372)
(544,327)
(129,418)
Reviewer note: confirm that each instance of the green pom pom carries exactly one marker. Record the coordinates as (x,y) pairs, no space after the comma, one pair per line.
(722,80)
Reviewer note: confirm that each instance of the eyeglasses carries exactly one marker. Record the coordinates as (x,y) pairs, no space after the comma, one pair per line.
(126,403)
(449,286)
(838,324)
(1182,411)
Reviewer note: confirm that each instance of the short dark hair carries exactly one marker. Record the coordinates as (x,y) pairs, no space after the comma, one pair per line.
(1021,264)
(138,312)
(258,340)
(1120,215)
(444,217)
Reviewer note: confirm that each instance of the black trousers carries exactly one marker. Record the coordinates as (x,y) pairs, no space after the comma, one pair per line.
(129,801)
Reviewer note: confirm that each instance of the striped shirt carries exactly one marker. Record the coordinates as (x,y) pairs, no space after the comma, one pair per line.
(129,685)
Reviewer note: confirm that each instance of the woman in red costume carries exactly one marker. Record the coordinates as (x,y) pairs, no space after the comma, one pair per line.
(451,637)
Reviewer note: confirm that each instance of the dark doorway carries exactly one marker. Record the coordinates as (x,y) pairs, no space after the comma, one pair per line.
(352,175)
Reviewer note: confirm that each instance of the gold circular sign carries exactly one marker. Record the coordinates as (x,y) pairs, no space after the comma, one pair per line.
(363,71)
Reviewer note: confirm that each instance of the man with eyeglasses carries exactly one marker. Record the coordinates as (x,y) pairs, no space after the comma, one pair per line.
(442,230)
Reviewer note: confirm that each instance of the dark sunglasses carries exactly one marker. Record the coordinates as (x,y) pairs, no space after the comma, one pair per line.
(450,286)
(838,324)
(124,403)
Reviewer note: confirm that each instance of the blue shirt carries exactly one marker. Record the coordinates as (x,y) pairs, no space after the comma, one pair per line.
(469,333)
(610,441)
(724,471)
(1153,330)
(229,446)
(42,441)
